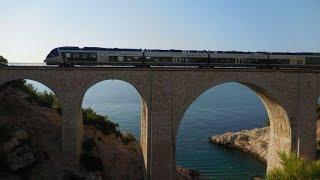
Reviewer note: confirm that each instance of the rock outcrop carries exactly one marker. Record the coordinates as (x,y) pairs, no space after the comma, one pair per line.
(18,154)
(253,141)
(187,174)
(120,160)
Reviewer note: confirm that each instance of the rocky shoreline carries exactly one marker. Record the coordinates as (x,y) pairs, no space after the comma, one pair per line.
(254,142)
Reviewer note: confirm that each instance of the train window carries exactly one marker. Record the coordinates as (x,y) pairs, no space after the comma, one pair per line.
(313,60)
(113,58)
(84,55)
(76,55)
(93,55)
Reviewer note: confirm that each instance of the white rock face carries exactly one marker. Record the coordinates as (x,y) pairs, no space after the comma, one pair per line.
(253,141)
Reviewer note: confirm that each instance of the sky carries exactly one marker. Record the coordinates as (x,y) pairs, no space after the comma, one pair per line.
(30,29)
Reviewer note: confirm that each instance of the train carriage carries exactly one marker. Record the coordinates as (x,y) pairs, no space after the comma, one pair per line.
(70,56)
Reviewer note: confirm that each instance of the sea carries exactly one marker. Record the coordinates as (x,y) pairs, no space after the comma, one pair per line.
(227,107)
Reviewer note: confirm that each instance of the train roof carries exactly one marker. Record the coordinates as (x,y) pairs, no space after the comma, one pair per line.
(183,51)
(231,52)
(163,50)
(97,49)
(294,53)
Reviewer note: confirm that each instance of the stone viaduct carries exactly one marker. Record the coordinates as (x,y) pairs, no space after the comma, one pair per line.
(289,96)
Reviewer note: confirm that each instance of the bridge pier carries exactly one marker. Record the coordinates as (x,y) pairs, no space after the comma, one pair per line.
(161,141)
(304,117)
(72,127)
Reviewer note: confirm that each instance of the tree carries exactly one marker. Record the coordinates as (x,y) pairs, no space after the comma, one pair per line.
(294,167)
(3,61)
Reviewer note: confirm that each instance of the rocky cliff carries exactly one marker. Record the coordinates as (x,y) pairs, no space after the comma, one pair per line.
(30,145)
(253,141)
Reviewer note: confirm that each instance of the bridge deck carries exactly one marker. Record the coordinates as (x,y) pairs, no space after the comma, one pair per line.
(159,68)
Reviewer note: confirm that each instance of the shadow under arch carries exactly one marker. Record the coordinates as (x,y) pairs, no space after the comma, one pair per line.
(143,109)
(280,128)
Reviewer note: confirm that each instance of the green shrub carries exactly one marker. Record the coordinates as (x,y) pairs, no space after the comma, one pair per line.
(102,123)
(88,159)
(127,138)
(58,109)
(18,84)
(294,167)
(46,99)
(90,162)
(88,145)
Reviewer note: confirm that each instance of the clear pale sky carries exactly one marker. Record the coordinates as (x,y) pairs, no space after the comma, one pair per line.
(30,29)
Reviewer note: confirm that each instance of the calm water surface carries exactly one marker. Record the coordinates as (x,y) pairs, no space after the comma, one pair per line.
(228,107)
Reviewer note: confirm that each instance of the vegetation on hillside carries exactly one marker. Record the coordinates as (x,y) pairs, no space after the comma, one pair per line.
(102,123)
(49,100)
(294,167)
(89,160)
(46,99)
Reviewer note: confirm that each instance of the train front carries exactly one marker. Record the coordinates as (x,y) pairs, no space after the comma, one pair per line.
(54,57)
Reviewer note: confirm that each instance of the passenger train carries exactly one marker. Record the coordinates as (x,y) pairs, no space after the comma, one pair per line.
(70,56)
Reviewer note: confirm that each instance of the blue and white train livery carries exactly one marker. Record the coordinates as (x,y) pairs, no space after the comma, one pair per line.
(70,56)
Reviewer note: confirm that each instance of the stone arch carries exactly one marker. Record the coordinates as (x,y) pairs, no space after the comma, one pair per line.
(144,113)
(90,83)
(144,102)
(144,105)
(280,127)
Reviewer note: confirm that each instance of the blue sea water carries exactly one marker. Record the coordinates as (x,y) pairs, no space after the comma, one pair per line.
(227,107)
